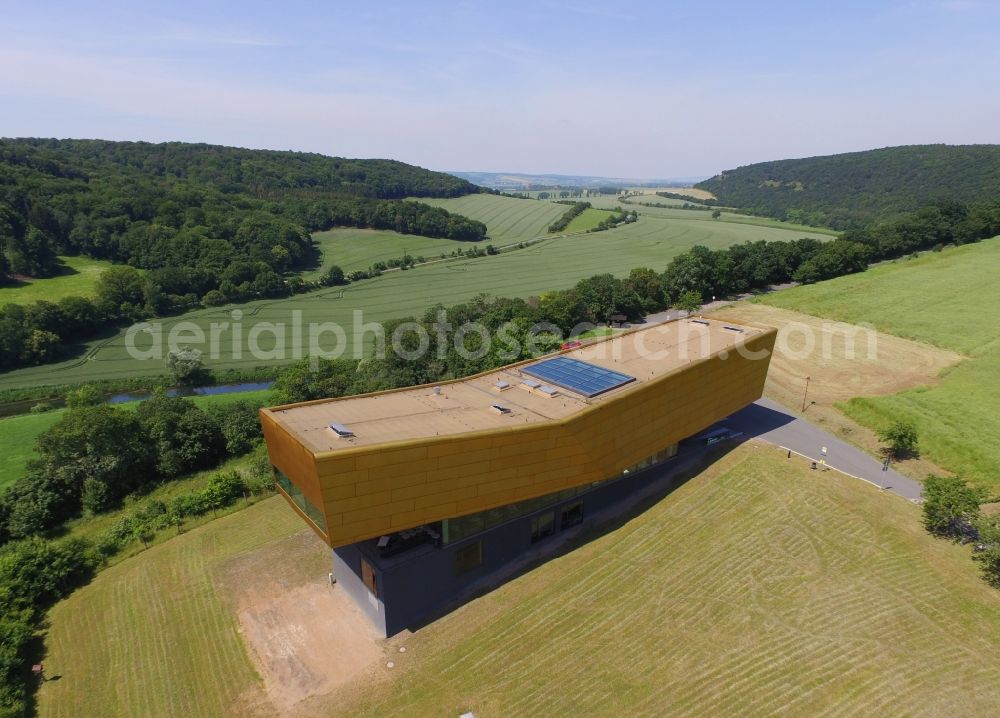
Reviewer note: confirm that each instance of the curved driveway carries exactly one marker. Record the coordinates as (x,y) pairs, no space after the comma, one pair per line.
(769,420)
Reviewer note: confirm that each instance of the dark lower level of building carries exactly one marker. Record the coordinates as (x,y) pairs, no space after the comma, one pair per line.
(404,580)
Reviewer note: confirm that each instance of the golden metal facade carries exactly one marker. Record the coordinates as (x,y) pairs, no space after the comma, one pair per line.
(369,490)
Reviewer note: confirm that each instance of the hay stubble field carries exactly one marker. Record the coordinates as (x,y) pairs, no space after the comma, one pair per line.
(757,587)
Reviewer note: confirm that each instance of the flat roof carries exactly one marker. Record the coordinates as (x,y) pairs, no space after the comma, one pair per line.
(476,404)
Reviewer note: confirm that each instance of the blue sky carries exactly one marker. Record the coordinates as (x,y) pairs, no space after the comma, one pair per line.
(630,89)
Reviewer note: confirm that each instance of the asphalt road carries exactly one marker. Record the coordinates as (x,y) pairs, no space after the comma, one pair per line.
(769,420)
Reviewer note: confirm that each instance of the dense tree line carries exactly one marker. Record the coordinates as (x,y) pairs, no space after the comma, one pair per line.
(260,173)
(96,454)
(757,265)
(618,216)
(852,190)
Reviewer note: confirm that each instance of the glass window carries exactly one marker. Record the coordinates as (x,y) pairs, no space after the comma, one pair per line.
(543,526)
(571,515)
(468,558)
(658,458)
(295,494)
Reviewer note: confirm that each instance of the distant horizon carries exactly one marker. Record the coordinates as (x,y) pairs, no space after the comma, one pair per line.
(651,89)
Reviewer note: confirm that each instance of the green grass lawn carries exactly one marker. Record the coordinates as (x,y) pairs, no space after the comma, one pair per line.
(555,263)
(18,433)
(588,219)
(352,249)
(17,442)
(79,278)
(947,299)
(756,588)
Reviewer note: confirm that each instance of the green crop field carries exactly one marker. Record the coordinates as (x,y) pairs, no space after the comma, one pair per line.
(947,299)
(588,219)
(79,278)
(507,220)
(674,211)
(756,588)
(555,263)
(18,433)
(353,249)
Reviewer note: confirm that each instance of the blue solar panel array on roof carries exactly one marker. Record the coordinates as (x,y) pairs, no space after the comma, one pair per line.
(578,376)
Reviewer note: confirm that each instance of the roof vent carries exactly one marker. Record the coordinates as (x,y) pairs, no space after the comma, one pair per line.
(500,409)
(437,391)
(699,321)
(342,431)
(733,329)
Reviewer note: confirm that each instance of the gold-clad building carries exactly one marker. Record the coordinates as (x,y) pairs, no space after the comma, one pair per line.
(439,462)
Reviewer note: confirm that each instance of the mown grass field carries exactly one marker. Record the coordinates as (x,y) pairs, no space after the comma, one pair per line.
(555,263)
(150,636)
(758,587)
(18,433)
(947,299)
(79,278)
(507,220)
(352,249)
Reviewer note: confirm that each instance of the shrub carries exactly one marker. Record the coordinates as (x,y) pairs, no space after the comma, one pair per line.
(988,551)
(900,439)
(223,489)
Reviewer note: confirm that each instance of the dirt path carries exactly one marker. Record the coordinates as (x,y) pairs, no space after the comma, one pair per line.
(306,637)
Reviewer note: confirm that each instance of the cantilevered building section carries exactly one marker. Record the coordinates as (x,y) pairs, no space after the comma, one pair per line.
(422,490)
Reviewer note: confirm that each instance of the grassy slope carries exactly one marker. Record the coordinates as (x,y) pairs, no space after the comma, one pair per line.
(151,636)
(353,249)
(553,264)
(18,433)
(79,279)
(753,589)
(947,299)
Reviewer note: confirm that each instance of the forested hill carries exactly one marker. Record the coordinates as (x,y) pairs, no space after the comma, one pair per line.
(232,169)
(183,205)
(197,225)
(854,189)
